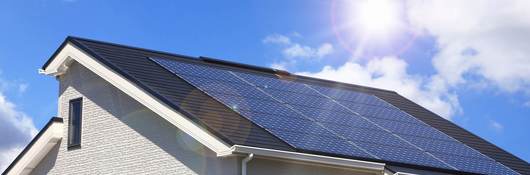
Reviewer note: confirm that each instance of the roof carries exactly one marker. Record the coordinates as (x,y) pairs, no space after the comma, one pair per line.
(141,67)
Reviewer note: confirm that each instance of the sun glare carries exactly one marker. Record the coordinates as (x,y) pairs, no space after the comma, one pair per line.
(369,28)
(376,17)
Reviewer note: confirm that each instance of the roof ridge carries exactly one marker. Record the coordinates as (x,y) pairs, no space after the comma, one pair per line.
(216,61)
(68,38)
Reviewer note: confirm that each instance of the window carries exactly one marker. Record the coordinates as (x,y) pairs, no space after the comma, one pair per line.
(74,123)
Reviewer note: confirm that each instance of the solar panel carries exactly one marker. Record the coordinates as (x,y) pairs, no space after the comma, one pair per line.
(331,120)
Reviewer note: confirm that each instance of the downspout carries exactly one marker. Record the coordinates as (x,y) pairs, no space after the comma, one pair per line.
(244,163)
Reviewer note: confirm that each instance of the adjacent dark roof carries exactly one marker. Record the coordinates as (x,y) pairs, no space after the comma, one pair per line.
(133,63)
(26,149)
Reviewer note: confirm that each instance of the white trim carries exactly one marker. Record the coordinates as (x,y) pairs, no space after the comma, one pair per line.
(311,158)
(402,173)
(51,136)
(70,52)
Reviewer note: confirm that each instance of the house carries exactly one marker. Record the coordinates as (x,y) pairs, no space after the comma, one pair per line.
(127,110)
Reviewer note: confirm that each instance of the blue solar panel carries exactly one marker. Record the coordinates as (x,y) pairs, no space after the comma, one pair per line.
(266,82)
(441,146)
(350,96)
(470,164)
(225,87)
(294,124)
(262,106)
(317,143)
(332,120)
(402,155)
(403,128)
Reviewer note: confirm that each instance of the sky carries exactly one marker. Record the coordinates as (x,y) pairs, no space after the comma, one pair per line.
(468,61)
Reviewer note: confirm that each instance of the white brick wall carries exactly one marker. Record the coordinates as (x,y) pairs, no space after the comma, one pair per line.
(120,136)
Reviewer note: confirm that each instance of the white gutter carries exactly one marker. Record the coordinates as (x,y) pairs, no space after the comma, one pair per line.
(304,157)
(244,163)
(402,173)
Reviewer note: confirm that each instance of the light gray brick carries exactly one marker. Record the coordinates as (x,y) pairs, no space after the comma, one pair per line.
(121,136)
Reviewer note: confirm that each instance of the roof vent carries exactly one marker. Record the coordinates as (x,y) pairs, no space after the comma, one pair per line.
(281,73)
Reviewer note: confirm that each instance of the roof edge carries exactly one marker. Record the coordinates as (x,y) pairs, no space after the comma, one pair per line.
(216,61)
(305,157)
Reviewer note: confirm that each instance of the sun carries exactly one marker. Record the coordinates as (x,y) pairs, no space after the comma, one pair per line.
(372,28)
(376,17)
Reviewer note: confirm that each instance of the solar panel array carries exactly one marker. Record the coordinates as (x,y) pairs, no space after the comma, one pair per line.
(333,121)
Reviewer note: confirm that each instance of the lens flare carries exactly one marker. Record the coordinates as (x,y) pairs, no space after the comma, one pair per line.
(376,17)
(372,28)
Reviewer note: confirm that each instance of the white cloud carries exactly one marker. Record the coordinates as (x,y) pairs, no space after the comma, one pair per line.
(293,50)
(527,104)
(488,39)
(391,73)
(496,126)
(280,66)
(300,51)
(480,44)
(8,155)
(324,49)
(22,87)
(277,39)
(16,129)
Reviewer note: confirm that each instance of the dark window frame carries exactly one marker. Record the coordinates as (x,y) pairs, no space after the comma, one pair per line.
(75,142)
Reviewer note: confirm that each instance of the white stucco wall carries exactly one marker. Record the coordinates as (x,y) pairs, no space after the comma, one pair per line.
(120,136)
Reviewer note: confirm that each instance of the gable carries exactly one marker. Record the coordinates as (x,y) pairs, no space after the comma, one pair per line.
(70,53)
(122,136)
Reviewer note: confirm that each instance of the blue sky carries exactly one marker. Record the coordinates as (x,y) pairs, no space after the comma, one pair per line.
(467,61)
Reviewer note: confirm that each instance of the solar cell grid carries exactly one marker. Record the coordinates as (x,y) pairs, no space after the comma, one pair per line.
(377,136)
(274,83)
(296,98)
(316,143)
(441,146)
(317,111)
(348,95)
(198,70)
(411,129)
(403,155)
(371,111)
(224,87)
(367,135)
(334,121)
(240,103)
(290,124)
(474,165)
(337,118)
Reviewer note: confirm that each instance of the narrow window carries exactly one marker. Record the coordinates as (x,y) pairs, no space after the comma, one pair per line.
(74,123)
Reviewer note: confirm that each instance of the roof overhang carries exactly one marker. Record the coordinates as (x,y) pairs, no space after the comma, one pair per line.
(69,52)
(358,165)
(38,148)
